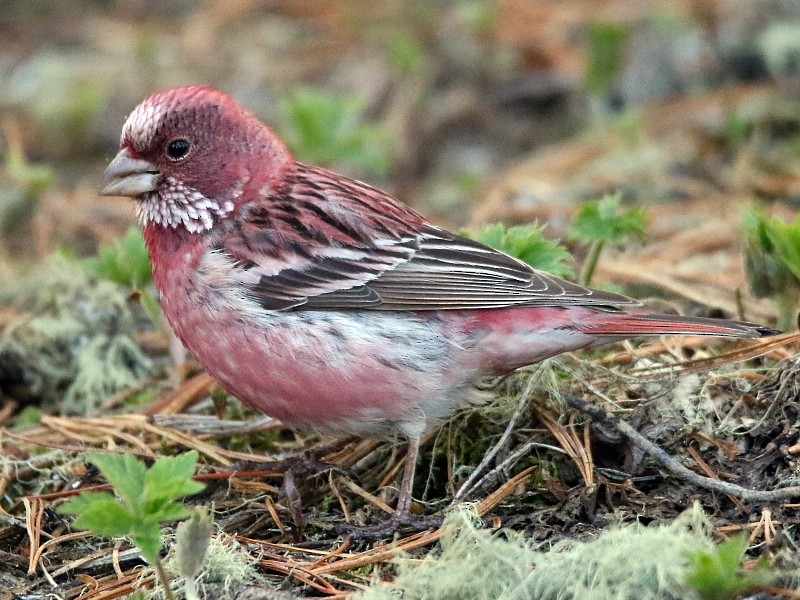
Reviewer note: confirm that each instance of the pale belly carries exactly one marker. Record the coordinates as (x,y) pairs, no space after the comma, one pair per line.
(363,373)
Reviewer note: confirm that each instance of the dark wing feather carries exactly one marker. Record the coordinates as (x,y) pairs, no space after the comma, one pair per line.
(373,253)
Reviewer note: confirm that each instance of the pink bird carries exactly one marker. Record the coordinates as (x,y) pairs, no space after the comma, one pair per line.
(326,303)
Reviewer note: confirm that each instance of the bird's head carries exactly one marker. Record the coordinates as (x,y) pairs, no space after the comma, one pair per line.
(190,155)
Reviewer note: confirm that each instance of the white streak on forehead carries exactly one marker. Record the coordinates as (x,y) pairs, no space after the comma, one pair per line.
(141,125)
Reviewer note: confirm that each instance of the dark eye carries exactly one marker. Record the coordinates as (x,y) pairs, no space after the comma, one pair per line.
(179,148)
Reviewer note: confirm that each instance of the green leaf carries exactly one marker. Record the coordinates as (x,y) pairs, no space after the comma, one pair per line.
(526,243)
(36,179)
(30,415)
(147,537)
(607,44)
(326,129)
(148,498)
(125,262)
(169,511)
(77,504)
(101,513)
(785,238)
(716,575)
(406,53)
(603,221)
(772,261)
(170,478)
(124,472)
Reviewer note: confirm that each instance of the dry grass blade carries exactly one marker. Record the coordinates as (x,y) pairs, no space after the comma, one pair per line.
(110,587)
(301,574)
(522,404)
(76,535)
(503,492)
(380,553)
(34,512)
(715,362)
(372,499)
(672,465)
(576,448)
(179,399)
(107,433)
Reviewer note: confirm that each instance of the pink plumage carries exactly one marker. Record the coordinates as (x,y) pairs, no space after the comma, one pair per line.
(326,303)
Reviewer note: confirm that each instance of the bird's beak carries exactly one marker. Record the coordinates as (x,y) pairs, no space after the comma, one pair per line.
(128,176)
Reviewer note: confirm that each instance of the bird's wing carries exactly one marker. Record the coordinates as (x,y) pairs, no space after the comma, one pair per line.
(326,242)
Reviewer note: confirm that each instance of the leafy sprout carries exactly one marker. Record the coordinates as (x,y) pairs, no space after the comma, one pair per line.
(143,500)
(717,575)
(772,261)
(325,129)
(127,263)
(527,243)
(607,44)
(34,178)
(25,184)
(600,222)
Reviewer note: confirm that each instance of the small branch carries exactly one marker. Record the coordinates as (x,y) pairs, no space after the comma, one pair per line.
(673,466)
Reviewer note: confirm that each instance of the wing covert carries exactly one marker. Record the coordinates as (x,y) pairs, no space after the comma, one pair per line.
(371,252)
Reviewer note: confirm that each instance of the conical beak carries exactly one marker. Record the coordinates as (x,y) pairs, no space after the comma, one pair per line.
(128,176)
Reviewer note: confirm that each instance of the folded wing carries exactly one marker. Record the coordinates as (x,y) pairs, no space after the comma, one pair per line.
(328,243)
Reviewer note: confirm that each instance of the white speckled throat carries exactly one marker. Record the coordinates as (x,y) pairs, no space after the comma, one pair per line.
(176,204)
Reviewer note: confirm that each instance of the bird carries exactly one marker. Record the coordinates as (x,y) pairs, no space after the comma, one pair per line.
(327,303)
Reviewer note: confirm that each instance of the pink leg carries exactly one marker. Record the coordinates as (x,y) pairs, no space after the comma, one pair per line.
(406,484)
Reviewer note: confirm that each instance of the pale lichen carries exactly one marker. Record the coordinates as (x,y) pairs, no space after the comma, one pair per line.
(621,563)
(71,344)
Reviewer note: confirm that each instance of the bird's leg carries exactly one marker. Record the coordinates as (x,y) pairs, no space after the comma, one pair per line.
(407,483)
(402,518)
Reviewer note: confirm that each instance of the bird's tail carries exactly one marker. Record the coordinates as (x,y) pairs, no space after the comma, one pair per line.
(634,324)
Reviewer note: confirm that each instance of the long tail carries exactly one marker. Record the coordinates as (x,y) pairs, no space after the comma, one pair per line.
(626,324)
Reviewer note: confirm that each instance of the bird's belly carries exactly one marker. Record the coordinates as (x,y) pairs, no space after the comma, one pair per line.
(347,372)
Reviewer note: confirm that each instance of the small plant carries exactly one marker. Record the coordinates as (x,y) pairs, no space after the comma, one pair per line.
(479,15)
(717,575)
(607,44)
(326,129)
(737,130)
(601,222)
(34,179)
(127,263)
(28,183)
(191,543)
(145,498)
(527,243)
(406,53)
(772,261)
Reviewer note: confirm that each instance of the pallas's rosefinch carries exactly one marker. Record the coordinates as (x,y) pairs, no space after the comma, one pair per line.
(326,303)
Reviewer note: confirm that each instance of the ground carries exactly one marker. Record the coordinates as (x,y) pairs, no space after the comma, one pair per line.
(473,112)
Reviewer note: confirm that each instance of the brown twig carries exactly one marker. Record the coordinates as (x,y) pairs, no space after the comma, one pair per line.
(673,466)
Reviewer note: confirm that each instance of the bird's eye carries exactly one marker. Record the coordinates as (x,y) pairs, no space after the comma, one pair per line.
(178,149)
